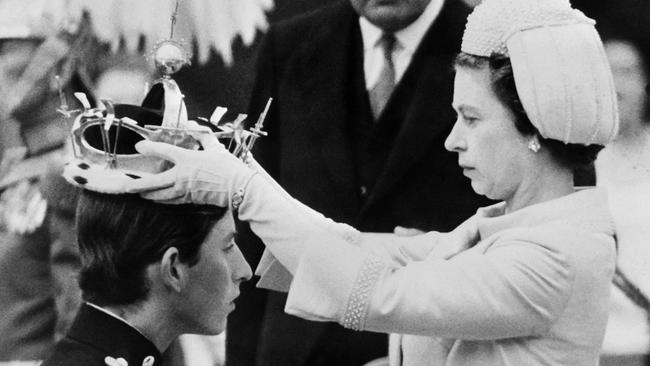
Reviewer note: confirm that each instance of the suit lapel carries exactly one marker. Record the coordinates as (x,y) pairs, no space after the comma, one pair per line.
(422,100)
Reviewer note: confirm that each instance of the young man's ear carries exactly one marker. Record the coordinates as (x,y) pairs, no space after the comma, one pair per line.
(172,272)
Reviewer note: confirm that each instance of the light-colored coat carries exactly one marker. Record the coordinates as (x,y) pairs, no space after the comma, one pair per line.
(533,291)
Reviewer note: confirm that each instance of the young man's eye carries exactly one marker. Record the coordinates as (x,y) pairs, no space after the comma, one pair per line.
(229,247)
(470,119)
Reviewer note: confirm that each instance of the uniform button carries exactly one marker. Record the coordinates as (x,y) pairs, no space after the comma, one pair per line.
(363,190)
(148,361)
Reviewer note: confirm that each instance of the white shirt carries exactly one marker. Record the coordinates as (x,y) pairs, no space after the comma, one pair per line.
(408,40)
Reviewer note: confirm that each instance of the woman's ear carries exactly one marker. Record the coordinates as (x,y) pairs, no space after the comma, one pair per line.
(172,272)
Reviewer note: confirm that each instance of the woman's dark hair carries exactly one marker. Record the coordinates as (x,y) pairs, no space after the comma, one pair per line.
(119,236)
(503,84)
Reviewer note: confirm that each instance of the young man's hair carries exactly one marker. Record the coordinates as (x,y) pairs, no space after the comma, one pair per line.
(119,236)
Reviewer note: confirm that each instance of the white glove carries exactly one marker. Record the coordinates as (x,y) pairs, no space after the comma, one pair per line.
(344,231)
(212,176)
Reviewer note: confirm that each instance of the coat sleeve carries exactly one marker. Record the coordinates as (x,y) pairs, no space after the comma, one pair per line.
(392,249)
(516,288)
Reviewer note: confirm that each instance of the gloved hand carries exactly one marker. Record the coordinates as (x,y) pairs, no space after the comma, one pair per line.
(212,176)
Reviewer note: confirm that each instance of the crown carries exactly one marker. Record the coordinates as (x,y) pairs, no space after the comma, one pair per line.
(104,137)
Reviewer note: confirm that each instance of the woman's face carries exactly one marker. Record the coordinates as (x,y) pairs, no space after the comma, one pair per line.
(491,152)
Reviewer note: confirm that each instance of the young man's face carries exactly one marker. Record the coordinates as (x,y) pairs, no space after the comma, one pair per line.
(213,283)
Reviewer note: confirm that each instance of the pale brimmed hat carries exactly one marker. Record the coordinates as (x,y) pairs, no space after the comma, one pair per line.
(560,68)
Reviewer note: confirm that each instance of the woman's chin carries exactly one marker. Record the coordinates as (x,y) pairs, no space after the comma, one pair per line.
(478,188)
(485,190)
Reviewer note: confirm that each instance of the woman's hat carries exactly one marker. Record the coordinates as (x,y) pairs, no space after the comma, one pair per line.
(560,68)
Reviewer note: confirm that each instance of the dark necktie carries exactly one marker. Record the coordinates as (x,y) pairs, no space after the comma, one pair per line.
(380,93)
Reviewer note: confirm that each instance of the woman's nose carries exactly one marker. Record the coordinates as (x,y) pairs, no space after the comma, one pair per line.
(454,141)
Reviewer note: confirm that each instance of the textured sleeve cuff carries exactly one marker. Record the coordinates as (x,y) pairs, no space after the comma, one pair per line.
(335,282)
(355,314)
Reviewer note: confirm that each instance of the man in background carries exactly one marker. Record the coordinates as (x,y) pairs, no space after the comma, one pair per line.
(362,104)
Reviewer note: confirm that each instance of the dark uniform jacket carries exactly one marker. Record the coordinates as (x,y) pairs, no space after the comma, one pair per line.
(94,335)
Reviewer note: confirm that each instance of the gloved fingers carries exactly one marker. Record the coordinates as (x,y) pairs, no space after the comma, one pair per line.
(166,194)
(160,150)
(153,182)
(207,139)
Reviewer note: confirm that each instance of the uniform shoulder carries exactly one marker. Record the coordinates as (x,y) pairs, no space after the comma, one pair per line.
(72,353)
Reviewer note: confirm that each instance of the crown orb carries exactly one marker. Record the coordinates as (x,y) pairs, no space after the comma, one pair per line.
(169,57)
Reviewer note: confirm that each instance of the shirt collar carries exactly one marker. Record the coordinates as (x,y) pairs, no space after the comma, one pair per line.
(408,38)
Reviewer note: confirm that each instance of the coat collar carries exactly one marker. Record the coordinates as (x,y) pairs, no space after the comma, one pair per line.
(586,209)
(114,337)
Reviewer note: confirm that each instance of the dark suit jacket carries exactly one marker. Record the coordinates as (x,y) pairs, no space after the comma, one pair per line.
(95,335)
(313,68)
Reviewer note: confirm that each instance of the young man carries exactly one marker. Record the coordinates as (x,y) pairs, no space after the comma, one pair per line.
(149,273)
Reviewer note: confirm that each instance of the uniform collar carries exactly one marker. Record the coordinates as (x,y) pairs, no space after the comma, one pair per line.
(113,336)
